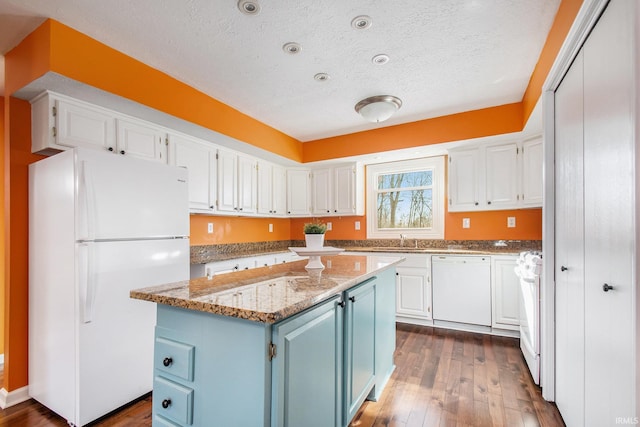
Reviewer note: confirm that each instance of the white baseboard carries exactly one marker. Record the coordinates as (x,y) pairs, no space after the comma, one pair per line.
(10,398)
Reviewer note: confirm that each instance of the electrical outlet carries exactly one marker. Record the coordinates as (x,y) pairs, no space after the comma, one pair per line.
(511,222)
(466,222)
(270,228)
(357,225)
(329,226)
(210,228)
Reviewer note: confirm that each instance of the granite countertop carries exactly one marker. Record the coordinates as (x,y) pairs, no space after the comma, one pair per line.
(268,294)
(212,253)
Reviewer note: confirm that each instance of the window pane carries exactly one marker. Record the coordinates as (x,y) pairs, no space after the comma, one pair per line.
(405,179)
(405,209)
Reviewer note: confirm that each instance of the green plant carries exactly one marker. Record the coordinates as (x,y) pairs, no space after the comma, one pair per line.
(315,228)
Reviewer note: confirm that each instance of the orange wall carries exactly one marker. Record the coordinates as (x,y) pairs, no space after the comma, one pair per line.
(562,23)
(237,230)
(2,222)
(493,225)
(17,256)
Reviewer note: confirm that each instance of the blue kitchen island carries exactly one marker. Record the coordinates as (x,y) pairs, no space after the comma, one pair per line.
(274,346)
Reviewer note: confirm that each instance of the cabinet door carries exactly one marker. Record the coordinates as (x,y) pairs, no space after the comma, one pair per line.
(279,191)
(247,184)
(359,352)
(265,188)
(532,173)
(83,126)
(344,190)
(298,192)
(413,293)
(141,139)
(506,293)
(322,192)
(501,176)
(307,368)
(464,182)
(199,158)
(227,181)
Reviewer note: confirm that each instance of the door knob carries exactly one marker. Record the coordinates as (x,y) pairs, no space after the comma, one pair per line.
(563,268)
(607,288)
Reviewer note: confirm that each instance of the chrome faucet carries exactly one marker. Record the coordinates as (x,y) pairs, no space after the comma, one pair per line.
(402,239)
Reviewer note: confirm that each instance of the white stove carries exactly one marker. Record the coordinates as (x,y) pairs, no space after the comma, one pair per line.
(528,269)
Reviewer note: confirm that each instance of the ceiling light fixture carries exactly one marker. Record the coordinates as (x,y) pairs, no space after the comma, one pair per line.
(292,48)
(249,7)
(378,108)
(361,22)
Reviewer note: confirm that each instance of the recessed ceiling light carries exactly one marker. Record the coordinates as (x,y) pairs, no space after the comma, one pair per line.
(292,48)
(249,7)
(322,77)
(361,22)
(380,59)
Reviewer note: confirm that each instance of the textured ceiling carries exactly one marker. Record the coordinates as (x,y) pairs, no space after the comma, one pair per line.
(446,56)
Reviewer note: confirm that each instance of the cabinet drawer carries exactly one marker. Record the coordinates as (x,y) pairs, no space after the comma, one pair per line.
(172,400)
(174,358)
(163,422)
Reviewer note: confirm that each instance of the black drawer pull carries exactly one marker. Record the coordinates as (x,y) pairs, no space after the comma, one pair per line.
(167,361)
(166,403)
(352,299)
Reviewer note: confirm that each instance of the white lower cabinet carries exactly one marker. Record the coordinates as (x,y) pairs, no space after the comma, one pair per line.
(413,289)
(505,292)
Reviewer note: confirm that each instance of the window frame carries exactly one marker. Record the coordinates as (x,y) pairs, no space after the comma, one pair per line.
(437,165)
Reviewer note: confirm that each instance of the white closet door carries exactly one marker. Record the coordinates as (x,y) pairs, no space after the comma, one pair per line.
(609,216)
(569,234)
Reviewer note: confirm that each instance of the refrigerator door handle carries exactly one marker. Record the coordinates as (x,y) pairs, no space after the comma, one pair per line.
(87,280)
(87,202)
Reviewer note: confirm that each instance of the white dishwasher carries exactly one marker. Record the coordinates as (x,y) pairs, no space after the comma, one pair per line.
(462,289)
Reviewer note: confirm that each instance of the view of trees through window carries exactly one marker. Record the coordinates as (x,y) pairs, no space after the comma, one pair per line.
(405,200)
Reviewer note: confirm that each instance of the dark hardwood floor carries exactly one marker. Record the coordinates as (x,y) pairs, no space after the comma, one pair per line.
(442,378)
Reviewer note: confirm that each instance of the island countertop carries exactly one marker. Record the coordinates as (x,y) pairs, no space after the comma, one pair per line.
(268,294)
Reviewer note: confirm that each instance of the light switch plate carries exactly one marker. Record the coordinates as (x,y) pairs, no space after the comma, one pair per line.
(511,222)
(329,226)
(466,222)
(210,227)
(357,225)
(270,228)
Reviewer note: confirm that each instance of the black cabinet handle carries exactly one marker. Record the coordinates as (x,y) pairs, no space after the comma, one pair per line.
(563,268)
(352,299)
(488,202)
(397,274)
(110,148)
(607,288)
(122,152)
(166,403)
(342,304)
(167,361)
(476,203)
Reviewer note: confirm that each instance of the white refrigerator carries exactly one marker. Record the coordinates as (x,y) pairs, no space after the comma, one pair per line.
(100,224)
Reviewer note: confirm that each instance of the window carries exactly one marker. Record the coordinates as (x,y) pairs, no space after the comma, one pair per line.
(406,197)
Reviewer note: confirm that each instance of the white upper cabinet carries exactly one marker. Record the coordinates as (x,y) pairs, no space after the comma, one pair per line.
(199,158)
(60,123)
(464,185)
(496,176)
(322,191)
(141,139)
(271,189)
(532,172)
(501,175)
(298,192)
(338,190)
(237,182)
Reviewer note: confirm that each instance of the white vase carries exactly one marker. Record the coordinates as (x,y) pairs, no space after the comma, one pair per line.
(314,241)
